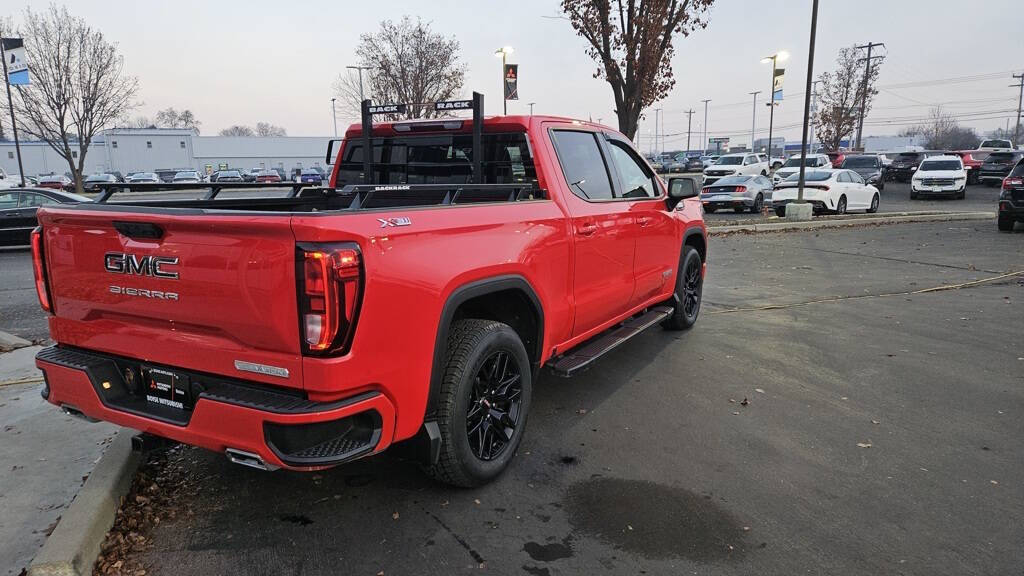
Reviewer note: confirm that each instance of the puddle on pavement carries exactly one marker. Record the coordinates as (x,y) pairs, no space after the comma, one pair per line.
(654,520)
(549,552)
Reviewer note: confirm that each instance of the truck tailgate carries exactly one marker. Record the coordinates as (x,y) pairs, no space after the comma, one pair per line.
(217,292)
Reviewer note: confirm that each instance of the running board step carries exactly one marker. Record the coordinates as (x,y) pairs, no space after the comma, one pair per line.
(584,355)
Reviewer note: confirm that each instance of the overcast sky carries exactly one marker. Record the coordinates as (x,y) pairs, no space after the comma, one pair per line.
(235,62)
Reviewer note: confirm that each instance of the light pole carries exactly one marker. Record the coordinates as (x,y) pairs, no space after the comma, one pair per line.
(531,104)
(753,122)
(503,53)
(774,59)
(807,106)
(704,145)
(334,115)
(360,69)
(657,115)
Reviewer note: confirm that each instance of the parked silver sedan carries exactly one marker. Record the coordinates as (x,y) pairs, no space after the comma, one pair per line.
(741,193)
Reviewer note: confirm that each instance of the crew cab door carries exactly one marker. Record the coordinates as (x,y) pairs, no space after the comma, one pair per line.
(604,240)
(657,246)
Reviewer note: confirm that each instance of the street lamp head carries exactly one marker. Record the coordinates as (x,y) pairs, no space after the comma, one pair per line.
(782,56)
(503,51)
(767,59)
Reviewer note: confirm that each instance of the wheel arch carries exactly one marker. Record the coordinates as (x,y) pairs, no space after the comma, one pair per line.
(510,299)
(695,237)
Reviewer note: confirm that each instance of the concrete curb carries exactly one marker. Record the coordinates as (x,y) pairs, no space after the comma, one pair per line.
(10,342)
(72,548)
(782,225)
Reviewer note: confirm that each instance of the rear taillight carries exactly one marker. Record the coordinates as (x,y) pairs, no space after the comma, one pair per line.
(39,270)
(1007,182)
(330,288)
(740,189)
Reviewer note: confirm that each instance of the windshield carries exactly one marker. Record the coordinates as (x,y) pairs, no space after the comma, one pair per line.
(310,173)
(51,179)
(937,165)
(730,161)
(860,162)
(100,178)
(908,156)
(1000,157)
(233,173)
(795,162)
(186,175)
(812,176)
(732,181)
(144,176)
(996,144)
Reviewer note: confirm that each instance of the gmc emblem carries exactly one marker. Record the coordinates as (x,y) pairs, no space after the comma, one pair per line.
(131,264)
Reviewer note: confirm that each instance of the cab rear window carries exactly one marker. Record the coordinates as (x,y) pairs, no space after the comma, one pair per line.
(440,159)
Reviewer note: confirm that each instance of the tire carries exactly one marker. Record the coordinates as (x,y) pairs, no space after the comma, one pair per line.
(874,205)
(780,211)
(764,172)
(963,194)
(913,195)
(758,206)
(881,185)
(841,205)
(739,209)
(477,350)
(710,209)
(1005,223)
(689,289)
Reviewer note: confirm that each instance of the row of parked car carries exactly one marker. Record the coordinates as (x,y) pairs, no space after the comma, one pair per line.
(93,182)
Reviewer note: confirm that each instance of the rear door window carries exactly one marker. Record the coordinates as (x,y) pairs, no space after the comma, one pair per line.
(583,164)
(8,200)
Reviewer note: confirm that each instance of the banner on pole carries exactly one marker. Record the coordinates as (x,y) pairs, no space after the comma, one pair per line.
(511,81)
(17,66)
(780,75)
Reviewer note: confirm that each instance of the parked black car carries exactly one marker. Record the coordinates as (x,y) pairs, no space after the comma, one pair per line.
(997,166)
(869,166)
(905,164)
(92,182)
(226,176)
(18,211)
(1011,198)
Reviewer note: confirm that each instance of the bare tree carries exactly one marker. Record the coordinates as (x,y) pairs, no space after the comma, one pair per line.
(266,129)
(412,64)
(631,41)
(78,87)
(237,130)
(943,132)
(1006,134)
(141,122)
(840,97)
(171,118)
(346,91)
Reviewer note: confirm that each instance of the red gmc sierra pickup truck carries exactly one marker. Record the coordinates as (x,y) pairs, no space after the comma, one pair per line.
(415,298)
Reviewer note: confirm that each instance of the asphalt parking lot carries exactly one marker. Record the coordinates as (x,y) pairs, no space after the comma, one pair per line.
(825,416)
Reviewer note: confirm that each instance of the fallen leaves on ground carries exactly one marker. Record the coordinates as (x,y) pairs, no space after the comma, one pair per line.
(151,499)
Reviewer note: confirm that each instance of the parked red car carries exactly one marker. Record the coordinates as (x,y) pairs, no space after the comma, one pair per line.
(302,332)
(268,176)
(56,182)
(836,158)
(973,159)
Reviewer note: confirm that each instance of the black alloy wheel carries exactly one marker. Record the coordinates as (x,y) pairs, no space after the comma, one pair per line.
(841,205)
(692,288)
(758,206)
(494,405)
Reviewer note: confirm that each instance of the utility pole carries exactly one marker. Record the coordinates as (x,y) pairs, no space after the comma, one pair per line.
(753,121)
(360,69)
(334,114)
(1020,98)
(531,108)
(864,89)
(689,118)
(704,144)
(814,113)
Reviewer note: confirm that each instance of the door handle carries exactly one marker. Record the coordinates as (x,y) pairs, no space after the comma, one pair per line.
(588,229)
(643,221)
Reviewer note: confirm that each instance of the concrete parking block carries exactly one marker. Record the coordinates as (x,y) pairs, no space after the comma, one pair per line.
(19,366)
(72,548)
(10,342)
(782,224)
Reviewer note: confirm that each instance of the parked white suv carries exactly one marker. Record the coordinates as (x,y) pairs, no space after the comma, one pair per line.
(996,145)
(941,176)
(735,165)
(792,166)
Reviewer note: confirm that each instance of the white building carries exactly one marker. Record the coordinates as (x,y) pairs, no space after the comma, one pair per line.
(128,150)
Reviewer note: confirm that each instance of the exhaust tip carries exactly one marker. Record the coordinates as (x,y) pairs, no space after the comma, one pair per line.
(75,412)
(249,459)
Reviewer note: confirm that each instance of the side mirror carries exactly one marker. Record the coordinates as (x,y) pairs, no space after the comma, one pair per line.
(680,189)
